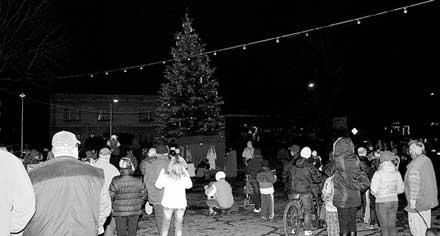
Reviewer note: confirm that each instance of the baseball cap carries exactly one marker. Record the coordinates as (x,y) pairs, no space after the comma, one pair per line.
(64,139)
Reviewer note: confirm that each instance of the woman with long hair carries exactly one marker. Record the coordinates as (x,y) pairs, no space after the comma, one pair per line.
(175,180)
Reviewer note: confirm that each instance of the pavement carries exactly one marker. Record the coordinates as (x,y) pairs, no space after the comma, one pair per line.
(241,222)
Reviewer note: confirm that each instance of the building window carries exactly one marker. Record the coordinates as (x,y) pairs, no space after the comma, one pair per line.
(146,116)
(72,115)
(103,115)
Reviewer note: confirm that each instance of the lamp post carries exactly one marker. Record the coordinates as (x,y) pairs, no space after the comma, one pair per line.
(22,96)
(111,115)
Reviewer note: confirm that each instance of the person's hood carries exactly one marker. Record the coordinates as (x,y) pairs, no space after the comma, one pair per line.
(387,166)
(249,144)
(343,146)
(302,162)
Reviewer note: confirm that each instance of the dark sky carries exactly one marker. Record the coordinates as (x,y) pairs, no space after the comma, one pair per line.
(381,64)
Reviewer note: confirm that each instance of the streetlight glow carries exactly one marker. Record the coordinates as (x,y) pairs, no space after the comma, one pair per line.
(311,85)
(115,100)
(22,95)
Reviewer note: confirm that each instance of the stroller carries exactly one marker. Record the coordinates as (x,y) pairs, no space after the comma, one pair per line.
(248,191)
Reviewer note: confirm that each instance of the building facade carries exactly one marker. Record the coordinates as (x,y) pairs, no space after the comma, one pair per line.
(128,116)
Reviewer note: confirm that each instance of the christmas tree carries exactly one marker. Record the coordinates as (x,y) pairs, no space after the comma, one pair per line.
(189,103)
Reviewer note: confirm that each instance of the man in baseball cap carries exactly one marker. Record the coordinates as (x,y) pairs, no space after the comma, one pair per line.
(59,185)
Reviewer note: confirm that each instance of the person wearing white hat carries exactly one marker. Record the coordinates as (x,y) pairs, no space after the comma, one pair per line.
(59,185)
(302,175)
(219,194)
(110,171)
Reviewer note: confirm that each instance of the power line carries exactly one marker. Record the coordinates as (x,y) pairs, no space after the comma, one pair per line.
(243,46)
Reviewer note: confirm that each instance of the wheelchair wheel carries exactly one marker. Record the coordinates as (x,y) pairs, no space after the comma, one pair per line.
(291,219)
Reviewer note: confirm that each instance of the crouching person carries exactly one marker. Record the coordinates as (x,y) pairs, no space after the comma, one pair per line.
(219,194)
(128,193)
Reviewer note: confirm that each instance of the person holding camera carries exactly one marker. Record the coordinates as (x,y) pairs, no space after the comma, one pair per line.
(219,194)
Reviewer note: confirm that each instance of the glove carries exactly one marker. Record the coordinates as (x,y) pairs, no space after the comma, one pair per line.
(412,203)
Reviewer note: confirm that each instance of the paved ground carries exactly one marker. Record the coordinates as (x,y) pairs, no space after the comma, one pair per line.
(240,222)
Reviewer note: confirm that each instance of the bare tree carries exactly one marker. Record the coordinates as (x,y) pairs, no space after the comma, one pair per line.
(30,43)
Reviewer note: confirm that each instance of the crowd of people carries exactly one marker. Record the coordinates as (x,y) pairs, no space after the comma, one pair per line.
(93,196)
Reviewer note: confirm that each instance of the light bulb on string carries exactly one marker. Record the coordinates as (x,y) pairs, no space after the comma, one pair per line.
(91,75)
(358,21)
(125,70)
(277,40)
(215,53)
(405,10)
(141,68)
(106,73)
(163,62)
(244,47)
(189,59)
(307,34)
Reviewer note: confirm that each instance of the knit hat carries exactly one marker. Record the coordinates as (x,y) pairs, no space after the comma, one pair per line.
(64,139)
(125,163)
(343,146)
(105,152)
(161,149)
(387,156)
(220,175)
(306,152)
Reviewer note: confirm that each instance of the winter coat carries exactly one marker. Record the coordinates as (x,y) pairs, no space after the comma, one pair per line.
(255,165)
(421,184)
(17,205)
(349,181)
(128,193)
(70,197)
(221,191)
(386,183)
(302,175)
(151,170)
(266,179)
(174,195)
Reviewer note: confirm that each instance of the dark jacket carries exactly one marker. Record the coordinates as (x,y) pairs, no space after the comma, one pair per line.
(255,165)
(68,195)
(349,181)
(302,175)
(128,194)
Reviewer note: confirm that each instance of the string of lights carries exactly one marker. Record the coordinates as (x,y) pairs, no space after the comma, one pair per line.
(243,46)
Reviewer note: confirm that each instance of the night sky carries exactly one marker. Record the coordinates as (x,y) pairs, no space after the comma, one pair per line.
(386,66)
(377,64)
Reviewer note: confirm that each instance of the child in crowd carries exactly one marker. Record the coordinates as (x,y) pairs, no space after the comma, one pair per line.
(266,178)
(219,194)
(128,194)
(331,212)
(174,181)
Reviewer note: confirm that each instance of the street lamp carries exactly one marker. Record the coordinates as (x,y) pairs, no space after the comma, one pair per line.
(111,115)
(22,96)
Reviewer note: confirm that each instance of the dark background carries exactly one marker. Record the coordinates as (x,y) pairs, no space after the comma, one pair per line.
(384,68)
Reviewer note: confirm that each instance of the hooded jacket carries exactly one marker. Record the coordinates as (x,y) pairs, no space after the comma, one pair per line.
(349,181)
(386,183)
(302,175)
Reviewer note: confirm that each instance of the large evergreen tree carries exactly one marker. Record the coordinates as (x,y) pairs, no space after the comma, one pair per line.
(189,103)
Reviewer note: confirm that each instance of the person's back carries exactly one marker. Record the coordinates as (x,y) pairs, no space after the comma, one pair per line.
(128,194)
(152,170)
(224,194)
(68,198)
(302,175)
(17,203)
